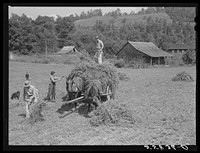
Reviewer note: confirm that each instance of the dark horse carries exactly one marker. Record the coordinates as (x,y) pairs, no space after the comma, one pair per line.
(74,88)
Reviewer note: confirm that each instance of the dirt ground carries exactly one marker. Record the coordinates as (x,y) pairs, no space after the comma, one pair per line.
(167,109)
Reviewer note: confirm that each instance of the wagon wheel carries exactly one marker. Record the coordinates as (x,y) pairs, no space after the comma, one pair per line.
(108,93)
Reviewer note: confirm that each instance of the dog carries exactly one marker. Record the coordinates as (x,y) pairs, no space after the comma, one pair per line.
(15,95)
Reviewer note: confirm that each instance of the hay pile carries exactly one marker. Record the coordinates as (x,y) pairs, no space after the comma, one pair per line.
(90,71)
(111,114)
(36,113)
(183,76)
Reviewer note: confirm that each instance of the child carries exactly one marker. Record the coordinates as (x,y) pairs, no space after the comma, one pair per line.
(51,96)
(30,96)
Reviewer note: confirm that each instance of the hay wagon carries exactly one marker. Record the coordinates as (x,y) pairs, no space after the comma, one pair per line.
(107,94)
(91,82)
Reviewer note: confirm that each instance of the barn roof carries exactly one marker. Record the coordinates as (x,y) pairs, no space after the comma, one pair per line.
(181,46)
(148,48)
(66,49)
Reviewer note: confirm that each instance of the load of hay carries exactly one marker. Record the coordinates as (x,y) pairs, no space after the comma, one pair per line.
(111,114)
(183,76)
(90,72)
(36,113)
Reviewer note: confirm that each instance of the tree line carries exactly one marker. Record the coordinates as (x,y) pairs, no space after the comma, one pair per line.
(35,36)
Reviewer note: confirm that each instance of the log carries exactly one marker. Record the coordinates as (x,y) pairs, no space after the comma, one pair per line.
(75,100)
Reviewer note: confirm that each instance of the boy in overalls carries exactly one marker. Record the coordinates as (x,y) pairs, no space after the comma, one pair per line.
(52,87)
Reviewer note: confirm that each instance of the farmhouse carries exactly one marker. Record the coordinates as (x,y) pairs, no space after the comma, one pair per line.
(146,52)
(67,50)
(179,48)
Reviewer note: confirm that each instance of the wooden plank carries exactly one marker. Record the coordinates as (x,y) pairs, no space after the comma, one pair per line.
(105,94)
(75,100)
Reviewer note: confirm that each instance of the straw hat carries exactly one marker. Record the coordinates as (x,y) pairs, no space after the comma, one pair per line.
(27,84)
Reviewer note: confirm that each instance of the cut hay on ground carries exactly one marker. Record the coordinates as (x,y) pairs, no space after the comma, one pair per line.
(36,113)
(90,71)
(183,76)
(111,114)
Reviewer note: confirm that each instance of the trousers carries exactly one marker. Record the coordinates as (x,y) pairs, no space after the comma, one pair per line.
(98,56)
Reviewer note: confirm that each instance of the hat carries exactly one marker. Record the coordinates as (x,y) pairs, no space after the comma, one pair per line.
(97,37)
(27,84)
(53,72)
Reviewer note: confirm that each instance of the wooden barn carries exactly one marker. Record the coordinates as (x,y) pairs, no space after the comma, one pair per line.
(67,50)
(179,48)
(146,52)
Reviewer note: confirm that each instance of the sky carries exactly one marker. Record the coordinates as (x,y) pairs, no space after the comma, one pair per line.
(33,12)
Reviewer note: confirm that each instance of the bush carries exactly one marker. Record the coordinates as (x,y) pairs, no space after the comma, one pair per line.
(189,57)
(137,63)
(119,63)
(176,60)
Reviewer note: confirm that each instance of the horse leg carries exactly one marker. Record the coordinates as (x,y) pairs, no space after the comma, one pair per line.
(97,102)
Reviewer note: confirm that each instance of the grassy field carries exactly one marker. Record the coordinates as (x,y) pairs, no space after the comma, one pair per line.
(167,109)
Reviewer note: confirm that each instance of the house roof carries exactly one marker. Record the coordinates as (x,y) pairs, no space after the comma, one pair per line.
(181,46)
(65,50)
(148,48)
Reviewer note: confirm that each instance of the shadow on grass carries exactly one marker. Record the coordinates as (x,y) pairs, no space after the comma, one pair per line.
(82,108)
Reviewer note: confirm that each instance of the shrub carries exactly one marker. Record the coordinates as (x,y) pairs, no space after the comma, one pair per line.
(137,63)
(189,57)
(120,63)
(176,60)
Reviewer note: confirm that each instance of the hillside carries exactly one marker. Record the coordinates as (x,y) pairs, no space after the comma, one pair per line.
(119,21)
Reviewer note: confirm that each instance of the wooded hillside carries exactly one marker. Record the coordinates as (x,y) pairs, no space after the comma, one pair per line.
(161,26)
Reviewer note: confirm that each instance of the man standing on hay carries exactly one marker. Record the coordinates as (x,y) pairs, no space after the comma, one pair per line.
(30,96)
(99,50)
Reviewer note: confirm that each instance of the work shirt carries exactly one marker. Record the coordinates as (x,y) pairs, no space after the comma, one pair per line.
(30,93)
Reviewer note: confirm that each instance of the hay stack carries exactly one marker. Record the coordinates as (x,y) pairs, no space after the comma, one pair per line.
(111,114)
(90,71)
(36,114)
(183,76)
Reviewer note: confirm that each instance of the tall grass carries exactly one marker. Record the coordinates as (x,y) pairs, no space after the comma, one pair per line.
(58,59)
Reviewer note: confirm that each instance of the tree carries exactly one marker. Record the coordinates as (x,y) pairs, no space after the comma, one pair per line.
(150,10)
(45,30)
(83,15)
(64,27)
(21,36)
(189,57)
